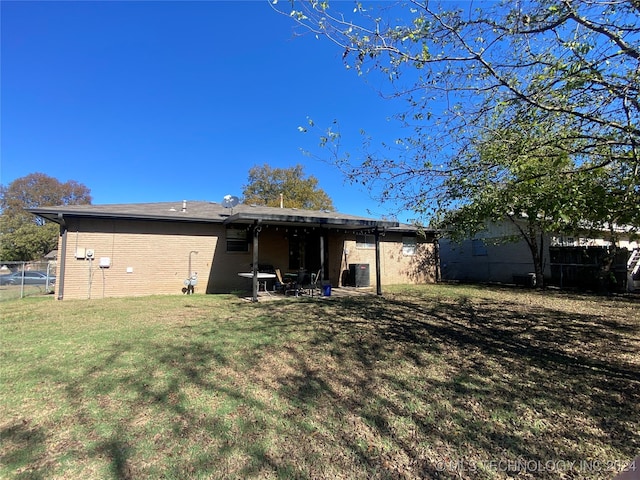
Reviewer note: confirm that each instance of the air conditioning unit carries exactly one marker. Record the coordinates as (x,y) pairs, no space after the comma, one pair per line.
(359,275)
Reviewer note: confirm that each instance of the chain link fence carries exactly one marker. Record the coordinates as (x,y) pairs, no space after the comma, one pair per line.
(22,279)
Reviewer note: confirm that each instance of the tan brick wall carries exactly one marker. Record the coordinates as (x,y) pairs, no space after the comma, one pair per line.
(153,258)
(146,257)
(395,267)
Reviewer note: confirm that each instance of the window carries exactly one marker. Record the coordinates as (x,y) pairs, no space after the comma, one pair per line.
(478,248)
(365,241)
(409,245)
(237,240)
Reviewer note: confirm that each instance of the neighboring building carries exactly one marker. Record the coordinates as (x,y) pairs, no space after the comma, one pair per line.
(569,260)
(143,249)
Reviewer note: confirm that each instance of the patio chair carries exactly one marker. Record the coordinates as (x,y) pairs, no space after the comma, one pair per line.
(297,287)
(300,286)
(281,285)
(313,283)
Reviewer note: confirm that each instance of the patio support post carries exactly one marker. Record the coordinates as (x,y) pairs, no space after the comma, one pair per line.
(378,282)
(254,283)
(321,256)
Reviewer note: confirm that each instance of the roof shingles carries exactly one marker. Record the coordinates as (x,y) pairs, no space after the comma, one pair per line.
(199,211)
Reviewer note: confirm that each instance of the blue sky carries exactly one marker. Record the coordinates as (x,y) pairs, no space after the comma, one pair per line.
(165,101)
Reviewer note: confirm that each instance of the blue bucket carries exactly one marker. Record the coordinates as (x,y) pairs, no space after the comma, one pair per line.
(326,290)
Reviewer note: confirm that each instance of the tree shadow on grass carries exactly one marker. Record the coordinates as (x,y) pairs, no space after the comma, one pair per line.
(547,372)
(551,339)
(118,453)
(22,446)
(397,387)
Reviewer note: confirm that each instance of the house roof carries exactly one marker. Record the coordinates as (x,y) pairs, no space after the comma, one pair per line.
(212,212)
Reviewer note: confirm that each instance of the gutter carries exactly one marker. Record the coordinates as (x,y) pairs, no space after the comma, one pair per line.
(62,256)
(54,216)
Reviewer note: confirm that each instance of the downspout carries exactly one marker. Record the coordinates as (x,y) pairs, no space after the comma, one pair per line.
(62,256)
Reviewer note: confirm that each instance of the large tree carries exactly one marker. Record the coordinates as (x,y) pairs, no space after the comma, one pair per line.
(574,64)
(503,177)
(266,184)
(25,236)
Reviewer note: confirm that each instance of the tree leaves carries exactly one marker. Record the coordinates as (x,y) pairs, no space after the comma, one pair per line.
(532,104)
(26,236)
(266,184)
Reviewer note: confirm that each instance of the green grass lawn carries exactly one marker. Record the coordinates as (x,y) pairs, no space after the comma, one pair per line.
(427,382)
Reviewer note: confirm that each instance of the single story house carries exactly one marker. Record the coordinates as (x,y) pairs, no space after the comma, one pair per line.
(569,260)
(154,248)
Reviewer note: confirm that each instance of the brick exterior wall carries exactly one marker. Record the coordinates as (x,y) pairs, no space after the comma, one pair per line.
(395,266)
(145,257)
(152,257)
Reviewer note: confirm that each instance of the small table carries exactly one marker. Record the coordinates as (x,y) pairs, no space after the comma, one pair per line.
(262,279)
